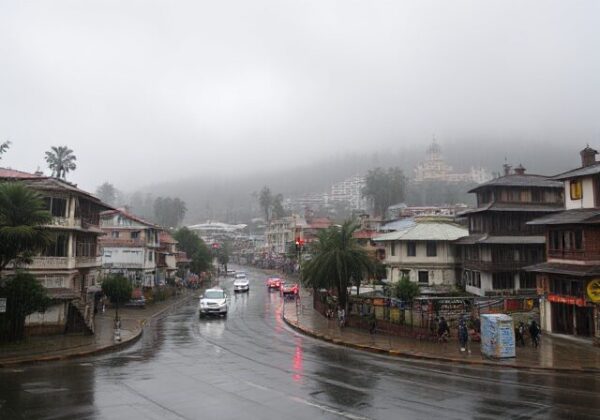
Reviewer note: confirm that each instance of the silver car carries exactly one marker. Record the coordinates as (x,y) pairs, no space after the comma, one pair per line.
(213,302)
(241,284)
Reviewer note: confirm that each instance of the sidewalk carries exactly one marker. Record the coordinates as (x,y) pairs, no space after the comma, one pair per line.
(554,353)
(133,320)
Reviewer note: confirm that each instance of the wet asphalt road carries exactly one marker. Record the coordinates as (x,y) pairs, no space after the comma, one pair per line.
(251,366)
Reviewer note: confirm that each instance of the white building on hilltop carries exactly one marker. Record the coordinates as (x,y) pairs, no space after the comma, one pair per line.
(436,169)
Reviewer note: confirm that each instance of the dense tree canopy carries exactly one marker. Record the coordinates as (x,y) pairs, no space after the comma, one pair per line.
(384,187)
(338,261)
(22,216)
(61,160)
(195,248)
(24,296)
(107,193)
(117,288)
(271,205)
(169,212)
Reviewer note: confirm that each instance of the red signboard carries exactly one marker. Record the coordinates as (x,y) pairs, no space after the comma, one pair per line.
(569,300)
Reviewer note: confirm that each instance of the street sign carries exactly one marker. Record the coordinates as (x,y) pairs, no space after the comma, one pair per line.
(2,305)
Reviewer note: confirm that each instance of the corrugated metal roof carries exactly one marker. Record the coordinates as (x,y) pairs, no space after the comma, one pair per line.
(516,207)
(566,269)
(575,216)
(429,231)
(514,180)
(579,172)
(398,225)
(501,240)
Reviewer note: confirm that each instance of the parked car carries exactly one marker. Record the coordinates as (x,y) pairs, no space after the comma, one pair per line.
(230,273)
(213,302)
(139,302)
(274,283)
(239,275)
(241,284)
(289,290)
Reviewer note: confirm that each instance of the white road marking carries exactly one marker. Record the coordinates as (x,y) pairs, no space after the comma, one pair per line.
(330,409)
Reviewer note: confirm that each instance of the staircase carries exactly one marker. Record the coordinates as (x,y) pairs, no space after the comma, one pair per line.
(83,317)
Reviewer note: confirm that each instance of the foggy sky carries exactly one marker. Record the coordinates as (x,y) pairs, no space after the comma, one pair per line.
(148,91)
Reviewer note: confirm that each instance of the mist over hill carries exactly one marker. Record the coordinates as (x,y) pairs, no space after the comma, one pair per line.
(233,198)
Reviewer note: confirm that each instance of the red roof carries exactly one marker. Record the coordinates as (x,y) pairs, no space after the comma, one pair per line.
(12,173)
(166,238)
(364,234)
(319,223)
(181,257)
(129,216)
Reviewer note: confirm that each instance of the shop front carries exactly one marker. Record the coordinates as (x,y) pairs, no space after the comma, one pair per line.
(571,316)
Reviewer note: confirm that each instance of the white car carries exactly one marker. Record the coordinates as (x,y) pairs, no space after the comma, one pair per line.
(241,284)
(239,275)
(213,302)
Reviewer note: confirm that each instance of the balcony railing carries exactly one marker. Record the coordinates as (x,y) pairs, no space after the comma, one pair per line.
(88,262)
(64,263)
(573,254)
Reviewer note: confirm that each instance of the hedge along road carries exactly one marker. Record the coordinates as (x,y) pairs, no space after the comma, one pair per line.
(251,365)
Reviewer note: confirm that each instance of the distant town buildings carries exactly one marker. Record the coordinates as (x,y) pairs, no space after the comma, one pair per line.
(436,169)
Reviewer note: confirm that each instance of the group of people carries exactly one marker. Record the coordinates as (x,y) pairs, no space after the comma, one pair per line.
(534,332)
(443,332)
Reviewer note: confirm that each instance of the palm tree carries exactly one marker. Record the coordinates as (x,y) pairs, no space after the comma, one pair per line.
(22,216)
(338,259)
(61,160)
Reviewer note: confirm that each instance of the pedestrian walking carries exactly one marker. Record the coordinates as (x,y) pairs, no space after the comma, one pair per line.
(443,330)
(463,335)
(520,334)
(372,323)
(342,317)
(534,333)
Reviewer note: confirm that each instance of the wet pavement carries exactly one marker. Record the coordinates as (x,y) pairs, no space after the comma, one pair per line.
(558,353)
(251,365)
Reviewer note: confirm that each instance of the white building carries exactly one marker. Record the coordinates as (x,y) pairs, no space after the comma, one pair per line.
(424,252)
(436,169)
(130,247)
(350,191)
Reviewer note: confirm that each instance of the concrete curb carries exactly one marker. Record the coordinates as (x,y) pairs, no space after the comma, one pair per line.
(424,356)
(105,349)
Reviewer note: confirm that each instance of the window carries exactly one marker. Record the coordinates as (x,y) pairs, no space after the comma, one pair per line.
(150,255)
(135,235)
(537,195)
(527,280)
(56,206)
(424,277)
(58,247)
(393,249)
(431,249)
(576,190)
(411,249)
(114,234)
(503,281)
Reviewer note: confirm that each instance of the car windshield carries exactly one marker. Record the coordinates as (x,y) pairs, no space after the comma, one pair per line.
(214,294)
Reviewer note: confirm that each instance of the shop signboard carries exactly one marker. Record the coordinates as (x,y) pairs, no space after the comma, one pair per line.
(593,290)
(497,336)
(569,300)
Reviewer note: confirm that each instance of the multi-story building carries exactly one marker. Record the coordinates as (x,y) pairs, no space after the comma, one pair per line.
(167,257)
(424,252)
(500,242)
(131,247)
(349,191)
(569,279)
(69,268)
